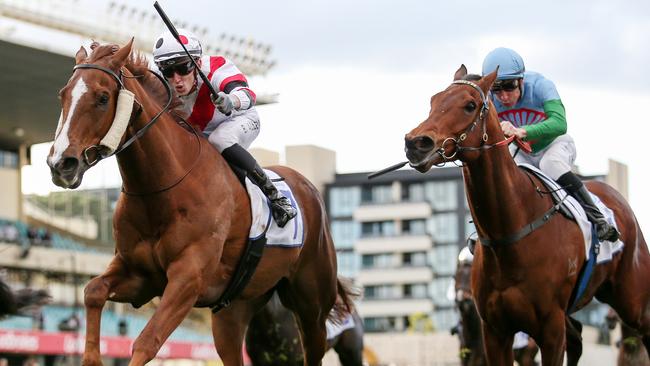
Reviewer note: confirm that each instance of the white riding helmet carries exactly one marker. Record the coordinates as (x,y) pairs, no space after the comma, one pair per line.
(465,256)
(167,51)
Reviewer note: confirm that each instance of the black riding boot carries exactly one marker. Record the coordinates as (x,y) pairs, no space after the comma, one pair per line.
(281,207)
(574,186)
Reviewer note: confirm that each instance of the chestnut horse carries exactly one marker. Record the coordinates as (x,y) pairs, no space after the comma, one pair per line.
(469,333)
(472,352)
(183,219)
(273,338)
(525,286)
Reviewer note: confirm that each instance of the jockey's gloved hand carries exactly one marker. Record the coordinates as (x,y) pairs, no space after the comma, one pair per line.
(223,102)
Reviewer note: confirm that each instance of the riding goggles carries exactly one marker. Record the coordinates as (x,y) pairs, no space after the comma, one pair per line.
(505,85)
(181,69)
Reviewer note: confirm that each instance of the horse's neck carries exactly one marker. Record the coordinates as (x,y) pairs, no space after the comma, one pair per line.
(164,154)
(499,193)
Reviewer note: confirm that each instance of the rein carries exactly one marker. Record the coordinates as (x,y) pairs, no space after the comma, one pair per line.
(99,147)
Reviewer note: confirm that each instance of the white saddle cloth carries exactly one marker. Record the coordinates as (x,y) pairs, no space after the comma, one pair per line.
(607,248)
(292,234)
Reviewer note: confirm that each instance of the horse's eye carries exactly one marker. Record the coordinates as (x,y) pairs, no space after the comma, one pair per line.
(470,107)
(103,99)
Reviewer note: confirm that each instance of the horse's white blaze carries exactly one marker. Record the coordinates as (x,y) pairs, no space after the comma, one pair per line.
(59,124)
(62,141)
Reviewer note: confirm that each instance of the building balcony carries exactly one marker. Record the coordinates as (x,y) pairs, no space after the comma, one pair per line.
(395,307)
(392,211)
(399,275)
(393,244)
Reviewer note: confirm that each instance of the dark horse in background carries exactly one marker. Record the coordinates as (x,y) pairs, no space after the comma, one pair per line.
(630,347)
(18,302)
(527,285)
(182,221)
(273,338)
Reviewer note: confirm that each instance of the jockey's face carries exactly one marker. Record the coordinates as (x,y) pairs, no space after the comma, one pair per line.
(184,84)
(508,96)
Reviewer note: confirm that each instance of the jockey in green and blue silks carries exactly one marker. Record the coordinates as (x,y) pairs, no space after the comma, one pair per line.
(530,108)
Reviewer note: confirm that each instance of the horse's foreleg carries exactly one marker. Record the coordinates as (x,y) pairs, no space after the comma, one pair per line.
(553,340)
(179,296)
(228,329)
(498,347)
(115,284)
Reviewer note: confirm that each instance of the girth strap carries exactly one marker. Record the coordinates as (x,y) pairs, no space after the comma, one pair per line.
(243,273)
(527,229)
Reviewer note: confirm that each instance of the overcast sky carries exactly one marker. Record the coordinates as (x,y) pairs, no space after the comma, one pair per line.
(355,76)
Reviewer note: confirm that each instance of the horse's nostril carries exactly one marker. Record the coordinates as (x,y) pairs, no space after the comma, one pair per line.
(421,143)
(67,164)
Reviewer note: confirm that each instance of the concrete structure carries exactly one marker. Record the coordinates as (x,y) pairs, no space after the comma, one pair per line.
(398,236)
(316,163)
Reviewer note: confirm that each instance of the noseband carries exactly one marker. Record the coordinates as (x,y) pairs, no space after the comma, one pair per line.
(481,118)
(121,120)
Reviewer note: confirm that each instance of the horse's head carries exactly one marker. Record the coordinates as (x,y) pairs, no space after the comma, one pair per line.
(464,300)
(92,122)
(456,123)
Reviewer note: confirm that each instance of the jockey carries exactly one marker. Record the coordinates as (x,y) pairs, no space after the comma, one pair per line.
(530,108)
(233,125)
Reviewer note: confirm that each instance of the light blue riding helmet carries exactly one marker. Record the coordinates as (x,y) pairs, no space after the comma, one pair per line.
(511,65)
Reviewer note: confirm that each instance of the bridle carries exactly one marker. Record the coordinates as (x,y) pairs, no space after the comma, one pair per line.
(119,126)
(97,148)
(480,119)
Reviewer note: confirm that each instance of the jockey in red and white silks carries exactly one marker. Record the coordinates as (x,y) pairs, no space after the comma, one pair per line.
(229,120)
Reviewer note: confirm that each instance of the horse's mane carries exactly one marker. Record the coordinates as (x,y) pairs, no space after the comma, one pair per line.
(138,64)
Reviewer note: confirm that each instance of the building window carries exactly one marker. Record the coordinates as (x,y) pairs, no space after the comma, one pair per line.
(414,192)
(381,292)
(378,228)
(348,263)
(379,324)
(378,261)
(344,200)
(442,195)
(377,194)
(345,233)
(444,227)
(415,291)
(8,159)
(414,259)
(444,259)
(439,290)
(414,227)
(444,319)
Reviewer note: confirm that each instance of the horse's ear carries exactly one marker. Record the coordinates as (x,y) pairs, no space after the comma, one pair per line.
(80,56)
(486,82)
(460,73)
(120,56)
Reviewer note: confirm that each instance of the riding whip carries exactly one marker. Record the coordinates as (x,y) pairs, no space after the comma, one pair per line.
(174,33)
(386,170)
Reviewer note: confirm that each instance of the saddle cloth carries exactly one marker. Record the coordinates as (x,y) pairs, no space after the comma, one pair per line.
(334,329)
(292,234)
(607,248)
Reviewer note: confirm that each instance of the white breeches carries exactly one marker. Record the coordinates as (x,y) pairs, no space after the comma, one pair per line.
(241,129)
(554,160)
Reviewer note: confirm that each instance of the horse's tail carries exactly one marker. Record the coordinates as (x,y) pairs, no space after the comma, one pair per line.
(7,300)
(346,293)
(13,303)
